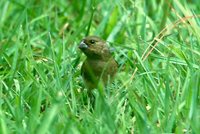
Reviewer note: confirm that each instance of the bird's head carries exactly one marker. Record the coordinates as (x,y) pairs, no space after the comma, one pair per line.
(95,48)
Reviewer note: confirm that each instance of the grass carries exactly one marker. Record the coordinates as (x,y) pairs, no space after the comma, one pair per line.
(156,90)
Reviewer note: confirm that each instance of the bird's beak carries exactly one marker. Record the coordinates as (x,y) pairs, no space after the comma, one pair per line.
(83,45)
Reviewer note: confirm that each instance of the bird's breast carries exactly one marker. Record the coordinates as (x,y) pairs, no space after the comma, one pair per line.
(94,69)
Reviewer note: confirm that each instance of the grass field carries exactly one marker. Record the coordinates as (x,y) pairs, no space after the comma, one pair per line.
(157,46)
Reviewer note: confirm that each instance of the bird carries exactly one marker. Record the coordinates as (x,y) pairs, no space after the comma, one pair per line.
(99,67)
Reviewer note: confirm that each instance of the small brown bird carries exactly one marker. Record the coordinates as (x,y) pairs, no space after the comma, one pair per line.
(100,67)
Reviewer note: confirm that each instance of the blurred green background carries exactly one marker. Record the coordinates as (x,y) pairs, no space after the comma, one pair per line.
(41,90)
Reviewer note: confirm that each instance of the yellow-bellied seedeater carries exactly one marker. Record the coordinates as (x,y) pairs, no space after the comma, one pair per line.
(99,67)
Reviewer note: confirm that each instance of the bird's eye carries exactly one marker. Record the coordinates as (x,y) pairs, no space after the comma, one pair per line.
(92,41)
